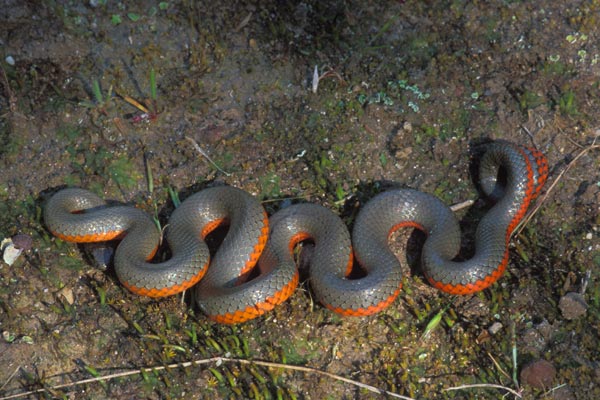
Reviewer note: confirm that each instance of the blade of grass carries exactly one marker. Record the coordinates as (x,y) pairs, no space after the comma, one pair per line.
(149,177)
(97,91)
(174,197)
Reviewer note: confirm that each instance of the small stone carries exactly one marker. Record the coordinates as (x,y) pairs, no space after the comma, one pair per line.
(532,341)
(495,328)
(403,153)
(10,60)
(22,241)
(546,330)
(539,374)
(10,252)
(67,294)
(572,305)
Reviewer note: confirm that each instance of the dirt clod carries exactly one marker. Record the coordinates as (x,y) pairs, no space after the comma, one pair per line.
(539,374)
(22,241)
(572,305)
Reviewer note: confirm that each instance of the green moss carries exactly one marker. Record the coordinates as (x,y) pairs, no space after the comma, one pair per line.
(298,351)
(122,171)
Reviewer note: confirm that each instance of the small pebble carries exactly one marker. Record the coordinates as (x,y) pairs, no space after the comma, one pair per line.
(10,60)
(22,241)
(67,294)
(539,374)
(495,328)
(532,341)
(572,305)
(9,251)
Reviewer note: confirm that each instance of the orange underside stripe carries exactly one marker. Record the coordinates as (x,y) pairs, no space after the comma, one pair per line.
(532,191)
(167,291)
(363,312)
(258,247)
(253,311)
(375,308)
(91,238)
(472,287)
(406,224)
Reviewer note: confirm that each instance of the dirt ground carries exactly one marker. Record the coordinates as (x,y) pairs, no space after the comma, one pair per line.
(105,95)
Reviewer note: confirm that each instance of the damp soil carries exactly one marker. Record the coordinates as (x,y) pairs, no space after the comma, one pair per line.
(106,95)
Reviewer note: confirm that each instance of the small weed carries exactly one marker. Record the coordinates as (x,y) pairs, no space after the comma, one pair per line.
(68,133)
(340,193)
(420,48)
(555,67)
(322,166)
(297,352)
(168,321)
(116,19)
(122,172)
(148,107)
(218,376)
(529,100)
(193,335)
(102,294)
(174,196)
(434,322)
(98,92)
(70,263)
(100,101)
(567,104)
(398,91)
(101,162)
(134,17)
(94,372)
(149,176)
(150,379)
(270,186)
(138,328)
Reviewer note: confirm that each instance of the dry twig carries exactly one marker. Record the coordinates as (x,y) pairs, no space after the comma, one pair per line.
(215,360)
(541,201)
(205,155)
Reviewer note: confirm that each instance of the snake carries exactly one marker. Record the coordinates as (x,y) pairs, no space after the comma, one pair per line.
(255,266)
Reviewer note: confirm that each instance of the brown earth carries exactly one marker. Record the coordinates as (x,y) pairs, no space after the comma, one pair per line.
(407,91)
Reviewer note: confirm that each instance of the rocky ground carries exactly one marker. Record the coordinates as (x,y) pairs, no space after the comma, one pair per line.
(105,95)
